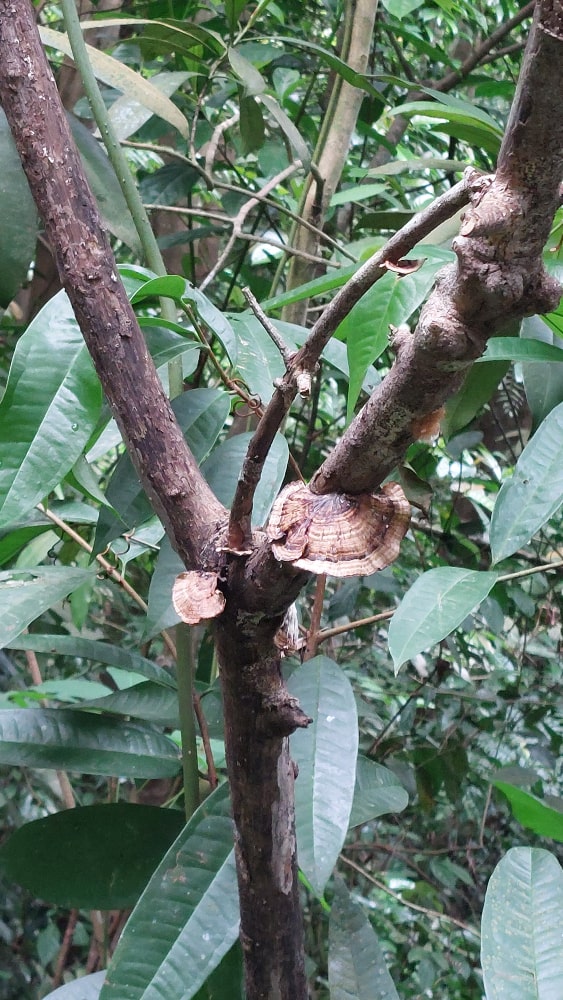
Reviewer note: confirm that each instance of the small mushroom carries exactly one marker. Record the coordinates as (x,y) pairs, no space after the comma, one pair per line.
(196,598)
(338,534)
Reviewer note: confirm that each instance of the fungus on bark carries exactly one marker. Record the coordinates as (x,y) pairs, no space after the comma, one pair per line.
(196,597)
(337,533)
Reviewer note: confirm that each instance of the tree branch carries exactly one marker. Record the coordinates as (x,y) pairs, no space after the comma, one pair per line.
(499,275)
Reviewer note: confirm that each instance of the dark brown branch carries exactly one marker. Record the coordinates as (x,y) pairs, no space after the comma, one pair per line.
(499,275)
(308,356)
(180,495)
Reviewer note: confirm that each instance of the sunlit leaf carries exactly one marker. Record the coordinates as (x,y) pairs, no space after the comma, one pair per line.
(54,398)
(533,813)
(522,927)
(326,754)
(533,493)
(434,606)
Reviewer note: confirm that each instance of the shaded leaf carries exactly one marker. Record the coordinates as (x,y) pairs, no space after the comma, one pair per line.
(520,349)
(356,965)
(543,382)
(326,754)
(254,82)
(96,857)
(533,493)
(128,114)
(378,791)
(105,185)
(435,605)
(78,741)
(476,390)
(533,813)
(251,125)
(223,467)
(26,594)
(522,927)
(93,649)
(161,613)
(187,917)
(20,223)
(54,398)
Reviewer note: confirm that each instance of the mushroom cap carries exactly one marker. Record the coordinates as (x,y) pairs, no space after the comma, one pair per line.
(336,533)
(196,598)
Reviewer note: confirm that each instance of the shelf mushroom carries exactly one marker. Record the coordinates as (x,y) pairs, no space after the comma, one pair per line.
(196,597)
(337,533)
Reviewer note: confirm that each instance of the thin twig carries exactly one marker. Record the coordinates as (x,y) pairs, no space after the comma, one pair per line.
(316,613)
(240,218)
(269,327)
(308,356)
(434,914)
(213,143)
(204,730)
(328,633)
(107,567)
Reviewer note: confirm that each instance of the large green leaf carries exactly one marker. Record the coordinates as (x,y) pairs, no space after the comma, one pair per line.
(79,741)
(116,74)
(356,964)
(128,113)
(534,813)
(53,398)
(105,186)
(365,329)
(522,928)
(435,605)
(26,594)
(147,701)
(93,649)
(187,918)
(378,791)
(326,754)
(20,224)
(96,857)
(520,349)
(223,466)
(533,493)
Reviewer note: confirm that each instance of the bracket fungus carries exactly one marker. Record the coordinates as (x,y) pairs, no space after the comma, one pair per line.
(336,533)
(196,597)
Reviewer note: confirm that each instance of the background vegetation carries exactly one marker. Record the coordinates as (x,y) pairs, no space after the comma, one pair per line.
(442,671)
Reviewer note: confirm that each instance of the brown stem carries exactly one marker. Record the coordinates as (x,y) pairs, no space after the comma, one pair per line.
(166,467)
(64,948)
(313,638)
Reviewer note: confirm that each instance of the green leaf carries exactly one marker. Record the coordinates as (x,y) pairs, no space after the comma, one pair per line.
(252,129)
(187,918)
(105,186)
(54,398)
(356,964)
(78,741)
(366,327)
(522,927)
(175,287)
(291,133)
(533,493)
(223,467)
(457,111)
(92,649)
(201,414)
(20,223)
(147,701)
(520,349)
(533,813)
(84,988)
(254,82)
(338,65)
(161,613)
(435,605)
(543,382)
(402,8)
(326,754)
(116,74)
(128,114)
(378,791)
(95,857)
(476,390)
(26,594)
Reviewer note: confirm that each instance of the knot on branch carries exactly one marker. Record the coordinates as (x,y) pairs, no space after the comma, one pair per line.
(281,715)
(336,533)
